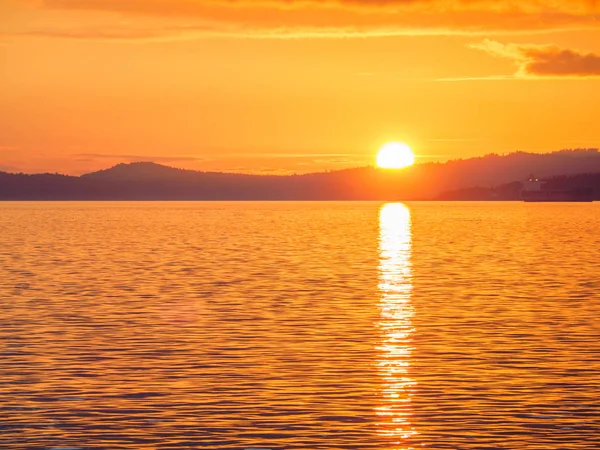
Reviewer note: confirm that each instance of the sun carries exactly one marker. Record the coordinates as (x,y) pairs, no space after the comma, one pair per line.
(395,155)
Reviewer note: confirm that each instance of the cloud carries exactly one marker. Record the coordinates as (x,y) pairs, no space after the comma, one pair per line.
(223,162)
(102,34)
(191,6)
(148,20)
(536,61)
(136,158)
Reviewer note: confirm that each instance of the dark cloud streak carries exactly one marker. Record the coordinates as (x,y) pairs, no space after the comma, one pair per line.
(544,60)
(188,6)
(349,18)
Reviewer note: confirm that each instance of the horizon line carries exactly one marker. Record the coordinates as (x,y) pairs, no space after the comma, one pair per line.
(16,171)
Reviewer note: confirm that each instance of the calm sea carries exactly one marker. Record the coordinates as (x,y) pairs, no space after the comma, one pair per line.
(299,326)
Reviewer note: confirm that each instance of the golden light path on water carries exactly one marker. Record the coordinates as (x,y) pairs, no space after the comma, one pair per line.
(395,286)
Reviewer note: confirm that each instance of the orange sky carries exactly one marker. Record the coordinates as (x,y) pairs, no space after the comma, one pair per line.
(291,86)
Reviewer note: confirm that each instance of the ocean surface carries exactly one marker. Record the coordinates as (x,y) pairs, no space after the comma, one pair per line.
(299,326)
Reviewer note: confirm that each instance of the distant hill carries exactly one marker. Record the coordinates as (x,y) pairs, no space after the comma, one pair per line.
(474,178)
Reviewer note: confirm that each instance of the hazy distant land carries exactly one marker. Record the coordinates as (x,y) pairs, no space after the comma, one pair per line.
(492,177)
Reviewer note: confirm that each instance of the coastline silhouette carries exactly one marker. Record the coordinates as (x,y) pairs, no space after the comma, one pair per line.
(492,177)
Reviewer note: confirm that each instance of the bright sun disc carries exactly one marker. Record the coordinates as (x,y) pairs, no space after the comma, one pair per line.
(395,155)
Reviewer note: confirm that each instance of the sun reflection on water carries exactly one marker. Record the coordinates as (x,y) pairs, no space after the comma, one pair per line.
(395,286)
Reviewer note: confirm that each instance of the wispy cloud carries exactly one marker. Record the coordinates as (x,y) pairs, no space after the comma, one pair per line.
(482,78)
(293,19)
(266,162)
(136,158)
(542,61)
(187,7)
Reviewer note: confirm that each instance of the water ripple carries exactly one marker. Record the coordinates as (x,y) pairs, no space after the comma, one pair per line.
(299,326)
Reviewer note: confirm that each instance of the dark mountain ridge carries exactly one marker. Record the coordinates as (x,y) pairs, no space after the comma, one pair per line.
(151,181)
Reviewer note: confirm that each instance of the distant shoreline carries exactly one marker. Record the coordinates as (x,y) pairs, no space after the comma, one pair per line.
(489,178)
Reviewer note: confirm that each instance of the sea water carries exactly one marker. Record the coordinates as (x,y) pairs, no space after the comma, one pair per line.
(299,325)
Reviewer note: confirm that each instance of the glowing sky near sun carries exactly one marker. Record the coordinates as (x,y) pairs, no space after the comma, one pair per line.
(280,86)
